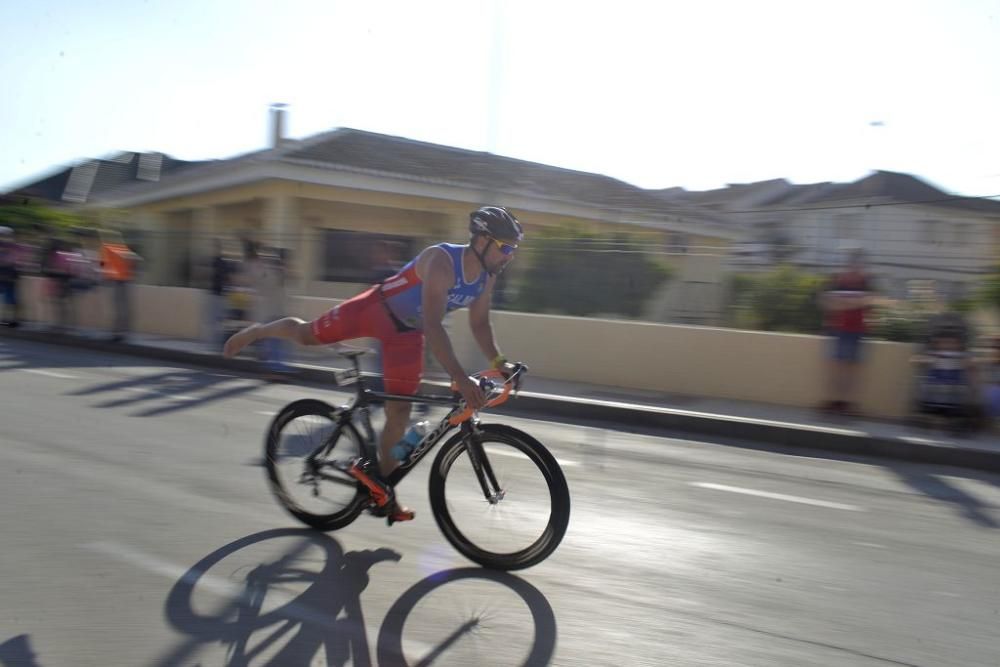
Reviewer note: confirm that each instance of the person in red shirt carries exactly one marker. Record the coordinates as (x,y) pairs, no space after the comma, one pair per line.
(846,304)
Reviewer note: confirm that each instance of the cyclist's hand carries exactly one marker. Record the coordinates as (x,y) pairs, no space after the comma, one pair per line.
(470,391)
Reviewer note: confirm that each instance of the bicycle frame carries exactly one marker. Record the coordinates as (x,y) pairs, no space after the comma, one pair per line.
(358,412)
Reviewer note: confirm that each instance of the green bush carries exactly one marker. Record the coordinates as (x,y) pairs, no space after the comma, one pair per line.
(575,272)
(989,293)
(902,322)
(784,299)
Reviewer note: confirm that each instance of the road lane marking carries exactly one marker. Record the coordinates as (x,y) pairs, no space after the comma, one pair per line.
(778,496)
(266,413)
(503,452)
(49,374)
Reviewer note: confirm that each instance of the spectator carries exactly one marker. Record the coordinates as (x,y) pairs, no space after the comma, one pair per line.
(85,270)
(272,303)
(846,303)
(215,309)
(991,384)
(264,273)
(118,266)
(57,268)
(947,384)
(8,278)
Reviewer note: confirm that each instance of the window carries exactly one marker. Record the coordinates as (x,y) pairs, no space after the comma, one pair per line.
(929,232)
(354,257)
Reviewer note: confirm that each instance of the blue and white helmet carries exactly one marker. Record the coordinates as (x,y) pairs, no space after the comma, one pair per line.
(496,221)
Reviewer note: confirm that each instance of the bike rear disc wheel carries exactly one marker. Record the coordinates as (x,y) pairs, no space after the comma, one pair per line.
(525,517)
(307,446)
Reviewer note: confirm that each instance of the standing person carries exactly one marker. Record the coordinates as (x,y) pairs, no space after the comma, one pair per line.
(118,267)
(991,384)
(846,304)
(404,310)
(57,267)
(9,273)
(215,301)
(85,270)
(271,304)
(253,276)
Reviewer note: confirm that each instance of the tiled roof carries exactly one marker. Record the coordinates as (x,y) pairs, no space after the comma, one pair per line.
(356,149)
(881,187)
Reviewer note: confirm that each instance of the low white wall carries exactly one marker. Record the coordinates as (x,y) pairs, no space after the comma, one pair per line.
(783,369)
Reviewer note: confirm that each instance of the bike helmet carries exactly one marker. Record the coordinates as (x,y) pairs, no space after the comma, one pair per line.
(495,221)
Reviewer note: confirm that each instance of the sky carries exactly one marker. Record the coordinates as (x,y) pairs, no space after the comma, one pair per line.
(659,94)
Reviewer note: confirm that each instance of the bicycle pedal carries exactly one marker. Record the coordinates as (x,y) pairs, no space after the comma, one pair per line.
(402,517)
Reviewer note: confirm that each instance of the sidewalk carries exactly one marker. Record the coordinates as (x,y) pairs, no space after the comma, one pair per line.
(717,418)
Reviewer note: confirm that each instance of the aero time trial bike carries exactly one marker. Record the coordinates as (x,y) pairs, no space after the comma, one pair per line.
(497,494)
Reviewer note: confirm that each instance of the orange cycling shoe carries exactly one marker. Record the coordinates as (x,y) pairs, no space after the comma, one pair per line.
(382,494)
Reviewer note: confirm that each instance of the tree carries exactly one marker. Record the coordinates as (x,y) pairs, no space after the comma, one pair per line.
(26,218)
(576,272)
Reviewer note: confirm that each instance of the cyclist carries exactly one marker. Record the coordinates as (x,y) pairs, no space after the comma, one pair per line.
(401,312)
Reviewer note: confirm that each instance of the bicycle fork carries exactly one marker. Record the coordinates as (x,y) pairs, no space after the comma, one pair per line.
(482,466)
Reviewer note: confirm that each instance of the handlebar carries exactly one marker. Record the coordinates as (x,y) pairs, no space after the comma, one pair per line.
(500,391)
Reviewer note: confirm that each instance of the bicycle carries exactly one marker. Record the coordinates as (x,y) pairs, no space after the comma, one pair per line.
(482,469)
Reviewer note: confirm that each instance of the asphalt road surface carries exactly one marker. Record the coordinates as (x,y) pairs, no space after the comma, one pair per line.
(137,529)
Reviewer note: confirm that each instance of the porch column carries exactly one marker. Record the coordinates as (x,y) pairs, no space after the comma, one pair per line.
(155,248)
(282,227)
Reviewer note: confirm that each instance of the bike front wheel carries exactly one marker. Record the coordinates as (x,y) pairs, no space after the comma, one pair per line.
(501,500)
(307,451)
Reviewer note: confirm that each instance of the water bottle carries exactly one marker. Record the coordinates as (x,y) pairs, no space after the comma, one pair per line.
(401,450)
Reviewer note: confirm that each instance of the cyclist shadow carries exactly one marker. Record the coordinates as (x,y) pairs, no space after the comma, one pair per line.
(263,623)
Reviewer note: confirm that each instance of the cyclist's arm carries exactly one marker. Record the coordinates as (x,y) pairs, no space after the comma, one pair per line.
(435,270)
(479,321)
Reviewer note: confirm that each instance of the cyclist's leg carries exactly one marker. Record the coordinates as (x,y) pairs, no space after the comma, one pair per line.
(342,322)
(403,364)
(288,328)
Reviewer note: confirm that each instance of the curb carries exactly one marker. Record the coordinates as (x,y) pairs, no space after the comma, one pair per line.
(799,436)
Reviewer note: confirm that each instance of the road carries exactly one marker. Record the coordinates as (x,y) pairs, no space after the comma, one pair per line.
(137,529)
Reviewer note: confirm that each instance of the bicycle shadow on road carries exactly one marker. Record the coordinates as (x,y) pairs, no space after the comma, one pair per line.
(261,621)
(17,652)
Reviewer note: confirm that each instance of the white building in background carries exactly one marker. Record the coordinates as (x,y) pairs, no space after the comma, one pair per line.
(910,230)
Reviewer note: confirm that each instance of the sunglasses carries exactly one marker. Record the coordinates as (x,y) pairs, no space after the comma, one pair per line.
(506,248)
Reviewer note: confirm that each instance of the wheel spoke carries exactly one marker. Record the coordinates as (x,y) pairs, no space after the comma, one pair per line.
(514,529)
(305,440)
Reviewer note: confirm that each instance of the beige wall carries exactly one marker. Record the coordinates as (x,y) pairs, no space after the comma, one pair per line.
(169,311)
(783,369)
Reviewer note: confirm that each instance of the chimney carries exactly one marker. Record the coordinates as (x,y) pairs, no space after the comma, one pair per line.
(277,124)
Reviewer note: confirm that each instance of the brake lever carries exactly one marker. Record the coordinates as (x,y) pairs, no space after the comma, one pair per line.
(517,375)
